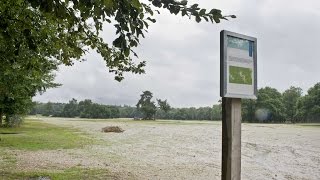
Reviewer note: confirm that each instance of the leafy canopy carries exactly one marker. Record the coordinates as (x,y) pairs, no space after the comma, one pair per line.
(38,35)
(308,106)
(290,98)
(164,105)
(66,29)
(25,64)
(146,106)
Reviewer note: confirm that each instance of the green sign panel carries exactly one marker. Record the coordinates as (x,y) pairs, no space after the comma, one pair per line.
(240,75)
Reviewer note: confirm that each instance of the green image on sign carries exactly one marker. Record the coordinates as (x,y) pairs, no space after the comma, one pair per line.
(240,75)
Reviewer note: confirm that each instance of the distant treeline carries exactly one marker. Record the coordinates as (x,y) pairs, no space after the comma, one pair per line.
(289,106)
(270,106)
(89,109)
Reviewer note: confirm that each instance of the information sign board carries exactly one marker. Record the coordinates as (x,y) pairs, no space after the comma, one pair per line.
(238,65)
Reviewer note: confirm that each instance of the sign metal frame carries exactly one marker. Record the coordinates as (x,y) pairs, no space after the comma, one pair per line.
(224,65)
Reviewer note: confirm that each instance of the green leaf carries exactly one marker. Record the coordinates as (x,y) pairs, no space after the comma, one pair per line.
(194,6)
(157,3)
(184,12)
(108,3)
(146,24)
(198,19)
(184,2)
(218,11)
(127,52)
(152,20)
(202,12)
(136,4)
(149,10)
(216,19)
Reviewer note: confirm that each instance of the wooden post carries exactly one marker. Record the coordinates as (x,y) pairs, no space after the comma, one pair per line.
(231,139)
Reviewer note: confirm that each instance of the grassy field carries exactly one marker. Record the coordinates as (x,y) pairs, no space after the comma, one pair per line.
(35,135)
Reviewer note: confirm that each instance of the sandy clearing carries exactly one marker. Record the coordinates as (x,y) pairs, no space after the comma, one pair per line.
(54,159)
(192,150)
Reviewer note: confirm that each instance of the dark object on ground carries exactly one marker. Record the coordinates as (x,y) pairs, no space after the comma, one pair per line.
(9,133)
(115,129)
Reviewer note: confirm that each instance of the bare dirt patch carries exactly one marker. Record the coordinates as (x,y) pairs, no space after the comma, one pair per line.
(192,150)
(54,159)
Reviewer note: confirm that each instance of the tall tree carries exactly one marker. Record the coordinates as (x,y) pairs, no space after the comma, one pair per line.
(85,108)
(217,112)
(164,105)
(146,106)
(248,107)
(20,80)
(308,107)
(71,109)
(48,109)
(269,103)
(25,62)
(290,99)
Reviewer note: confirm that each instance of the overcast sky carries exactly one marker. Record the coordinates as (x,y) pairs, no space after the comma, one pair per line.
(183,56)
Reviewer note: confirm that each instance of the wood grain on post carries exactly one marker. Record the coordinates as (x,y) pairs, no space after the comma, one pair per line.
(231,139)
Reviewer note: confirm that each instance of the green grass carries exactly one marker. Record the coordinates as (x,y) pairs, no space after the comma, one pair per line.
(71,173)
(35,135)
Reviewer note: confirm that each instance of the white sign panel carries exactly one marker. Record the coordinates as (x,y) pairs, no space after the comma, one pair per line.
(238,65)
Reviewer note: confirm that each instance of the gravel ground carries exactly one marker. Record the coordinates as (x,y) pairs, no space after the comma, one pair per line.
(192,150)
